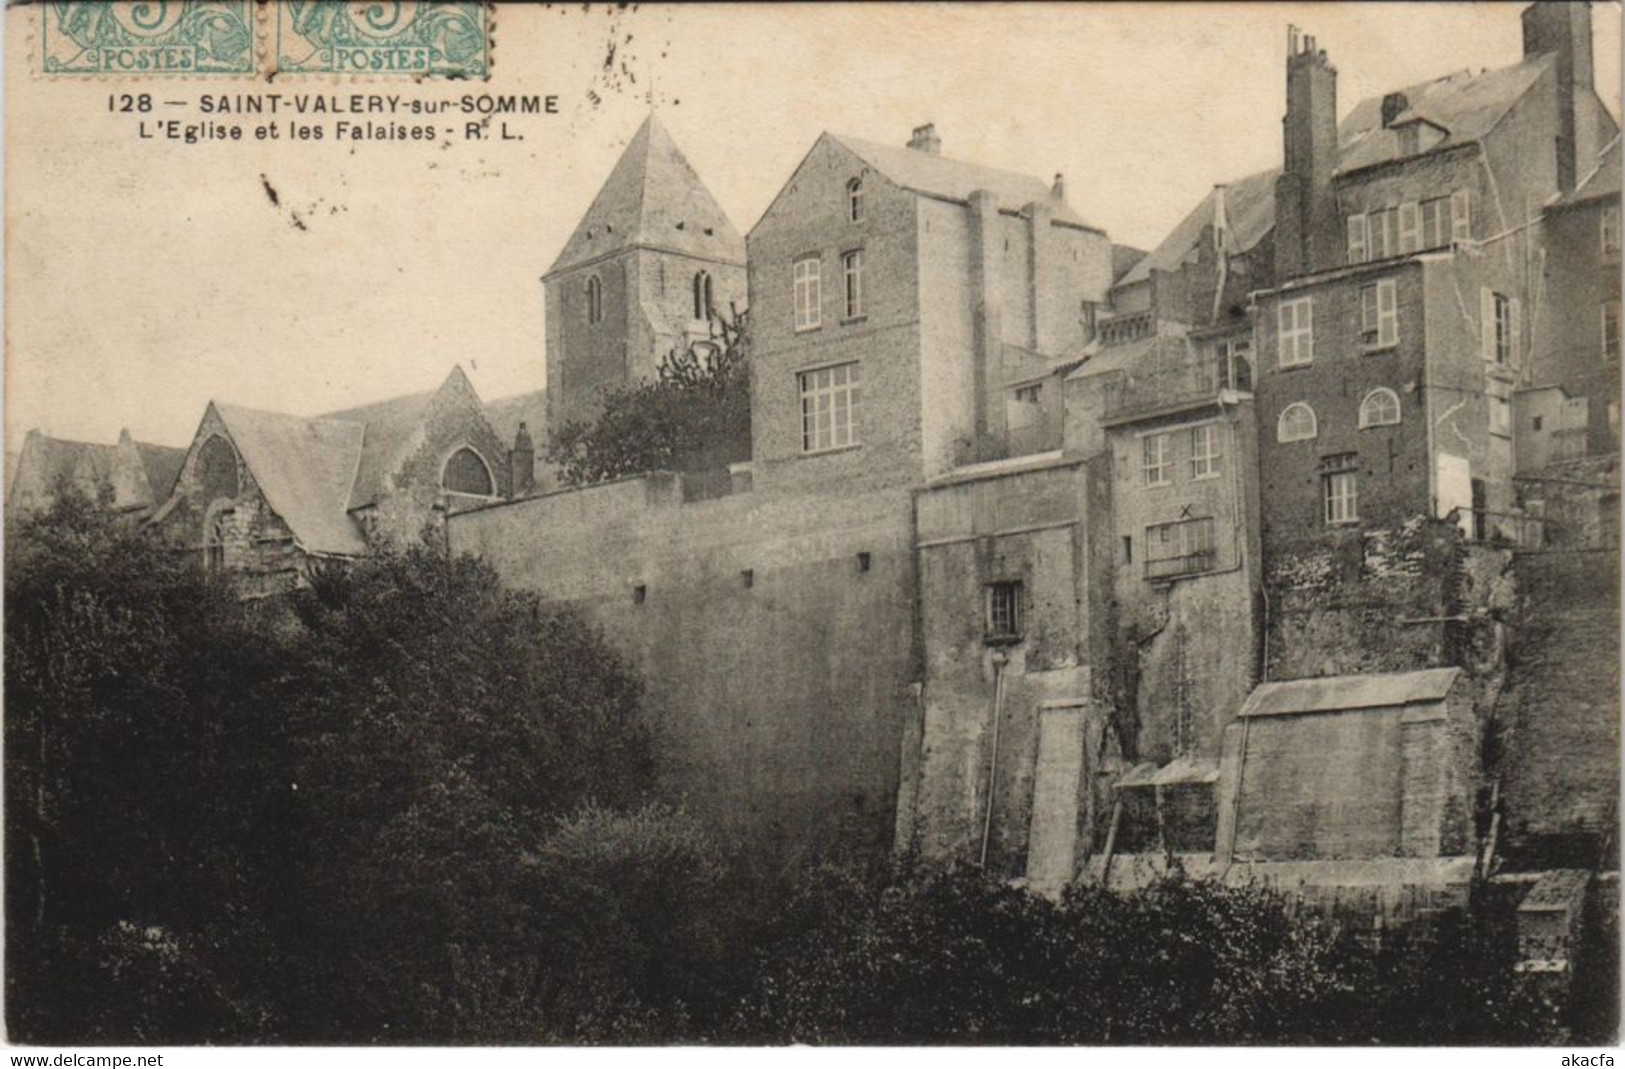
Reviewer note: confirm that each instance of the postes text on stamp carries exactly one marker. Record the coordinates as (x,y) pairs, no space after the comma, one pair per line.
(448,40)
(184,37)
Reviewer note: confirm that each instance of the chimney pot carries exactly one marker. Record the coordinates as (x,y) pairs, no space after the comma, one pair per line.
(925,139)
(1058,190)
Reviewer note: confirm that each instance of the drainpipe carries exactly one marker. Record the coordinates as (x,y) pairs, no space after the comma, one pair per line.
(999,662)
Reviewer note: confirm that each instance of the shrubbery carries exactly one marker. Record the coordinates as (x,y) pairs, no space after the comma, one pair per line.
(410,805)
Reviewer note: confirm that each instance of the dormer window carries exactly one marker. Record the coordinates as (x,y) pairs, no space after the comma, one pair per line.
(595,300)
(854,200)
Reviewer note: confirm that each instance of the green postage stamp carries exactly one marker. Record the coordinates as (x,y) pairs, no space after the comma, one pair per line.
(194,37)
(447,40)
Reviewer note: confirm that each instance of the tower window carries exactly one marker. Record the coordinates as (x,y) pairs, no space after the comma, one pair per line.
(703,306)
(595,300)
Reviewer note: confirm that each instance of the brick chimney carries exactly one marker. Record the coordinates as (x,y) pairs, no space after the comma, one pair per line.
(1308,234)
(1564,30)
(522,463)
(1393,106)
(925,139)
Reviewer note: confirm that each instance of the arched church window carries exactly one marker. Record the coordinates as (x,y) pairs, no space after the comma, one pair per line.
(703,306)
(216,470)
(595,300)
(465,473)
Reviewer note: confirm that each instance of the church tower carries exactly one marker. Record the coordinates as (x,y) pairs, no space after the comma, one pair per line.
(648,265)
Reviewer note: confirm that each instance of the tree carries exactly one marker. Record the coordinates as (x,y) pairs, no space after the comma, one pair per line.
(694,416)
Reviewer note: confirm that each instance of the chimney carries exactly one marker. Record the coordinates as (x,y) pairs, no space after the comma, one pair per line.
(925,139)
(1058,190)
(522,463)
(1307,231)
(1563,30)
(1393,106)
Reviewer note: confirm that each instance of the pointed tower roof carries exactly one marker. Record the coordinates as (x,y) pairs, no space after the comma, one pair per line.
(653,198)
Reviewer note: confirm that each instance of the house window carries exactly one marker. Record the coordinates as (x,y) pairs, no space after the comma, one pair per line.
(1238,364)
(829,407)
(1157,459)
(1382,240)
(1179,548)
(1379,315)
(1380,408)
(1029,394)
(1128,549)
(1295,322)
(1610,230)
(703,306)
(1357,238)
(807,293)
(852,271)
(1461,227)
(1410,227)
(1297,423)
(1410,139)
(1499,320)
(595,300)
(1436,223)
(1610,330)
(1003,611)
(854,200)
(1206,452)
(1339,491)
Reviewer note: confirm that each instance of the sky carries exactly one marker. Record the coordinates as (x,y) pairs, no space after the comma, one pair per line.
(147,277)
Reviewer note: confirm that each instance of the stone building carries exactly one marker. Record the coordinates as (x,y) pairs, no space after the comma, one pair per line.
(129,477)
(260,494)
(651,263)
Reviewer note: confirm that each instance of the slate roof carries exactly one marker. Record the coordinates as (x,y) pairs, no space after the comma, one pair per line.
(1602,182)
(652,197)
(387,426)
(951,179)
(1129,353)
(1340,693)
(305,468)
(93,463)
(1249,208)
(1465,104)
(505,415)
(163,464)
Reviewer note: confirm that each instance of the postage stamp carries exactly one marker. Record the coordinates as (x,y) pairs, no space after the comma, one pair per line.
(154,38)
(445,40)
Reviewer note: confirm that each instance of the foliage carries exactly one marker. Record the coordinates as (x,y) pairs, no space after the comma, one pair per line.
(694,416)
(958,956)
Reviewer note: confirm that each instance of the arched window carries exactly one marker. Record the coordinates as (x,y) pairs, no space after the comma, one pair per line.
(595,300)
(1380,408)
(1297,423)
(216,470)
(214,540)
(466,473)
(703,308)
(854,200)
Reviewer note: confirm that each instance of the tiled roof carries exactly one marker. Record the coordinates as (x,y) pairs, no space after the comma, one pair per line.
(1338,693)
(940,176)
(653,197)
(305,468)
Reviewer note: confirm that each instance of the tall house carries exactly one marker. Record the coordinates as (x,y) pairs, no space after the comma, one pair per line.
(1407,257)
(898,297)
(1568,407)
(644,273)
